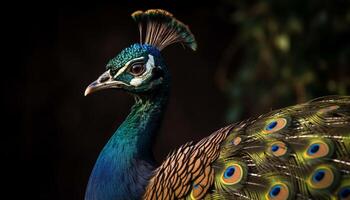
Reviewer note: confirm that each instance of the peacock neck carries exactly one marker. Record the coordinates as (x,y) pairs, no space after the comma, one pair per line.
(125,164)
(137,132)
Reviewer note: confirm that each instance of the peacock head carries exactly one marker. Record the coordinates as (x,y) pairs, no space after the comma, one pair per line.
(136,69)
(140,68)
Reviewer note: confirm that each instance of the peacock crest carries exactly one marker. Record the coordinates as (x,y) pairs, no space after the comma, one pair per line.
(162,29)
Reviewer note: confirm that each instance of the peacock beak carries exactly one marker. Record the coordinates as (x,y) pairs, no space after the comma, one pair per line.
(105,81)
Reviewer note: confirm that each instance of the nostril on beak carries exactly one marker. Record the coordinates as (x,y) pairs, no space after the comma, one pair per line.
(103,79)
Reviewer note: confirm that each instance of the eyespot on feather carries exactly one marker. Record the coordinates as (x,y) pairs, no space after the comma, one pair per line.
(343,189)
(278,191)
(232,174)
(344,193)
(321,178)
(278,148)
(275,125)
(196,191)
(318,149)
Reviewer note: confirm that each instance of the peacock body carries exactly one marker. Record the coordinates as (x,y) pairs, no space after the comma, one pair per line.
(298,152)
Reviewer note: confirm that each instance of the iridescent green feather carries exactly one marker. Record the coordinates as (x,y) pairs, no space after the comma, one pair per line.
(305,147)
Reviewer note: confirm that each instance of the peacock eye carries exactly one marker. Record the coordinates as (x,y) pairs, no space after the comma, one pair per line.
(137,69)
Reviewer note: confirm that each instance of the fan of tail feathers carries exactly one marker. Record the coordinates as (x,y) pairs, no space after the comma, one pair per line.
(299,152)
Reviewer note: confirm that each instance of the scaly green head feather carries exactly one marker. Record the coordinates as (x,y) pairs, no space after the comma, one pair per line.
(140,69)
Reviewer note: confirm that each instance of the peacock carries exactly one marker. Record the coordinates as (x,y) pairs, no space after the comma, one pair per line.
(298,152)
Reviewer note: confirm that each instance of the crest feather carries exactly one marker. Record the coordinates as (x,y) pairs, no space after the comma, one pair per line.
(162,29)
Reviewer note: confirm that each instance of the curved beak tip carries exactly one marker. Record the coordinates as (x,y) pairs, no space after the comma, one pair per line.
(87,91)
(105,81)
(90,89)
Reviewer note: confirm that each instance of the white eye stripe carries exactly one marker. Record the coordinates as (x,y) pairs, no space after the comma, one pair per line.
(121,70)
(136,62)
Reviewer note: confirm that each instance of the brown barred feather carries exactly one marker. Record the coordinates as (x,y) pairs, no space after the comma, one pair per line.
(188,165)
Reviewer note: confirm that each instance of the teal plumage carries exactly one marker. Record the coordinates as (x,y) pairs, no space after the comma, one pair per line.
(125,164)
(298,152)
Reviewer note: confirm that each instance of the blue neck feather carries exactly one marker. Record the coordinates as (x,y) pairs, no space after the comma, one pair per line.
(124,166)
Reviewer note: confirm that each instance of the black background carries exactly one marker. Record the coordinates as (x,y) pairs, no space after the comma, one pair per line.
(52,134)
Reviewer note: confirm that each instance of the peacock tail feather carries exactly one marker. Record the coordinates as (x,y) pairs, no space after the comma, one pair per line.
(298,152)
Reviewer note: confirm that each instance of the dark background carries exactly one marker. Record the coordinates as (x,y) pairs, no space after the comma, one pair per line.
(54,134)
